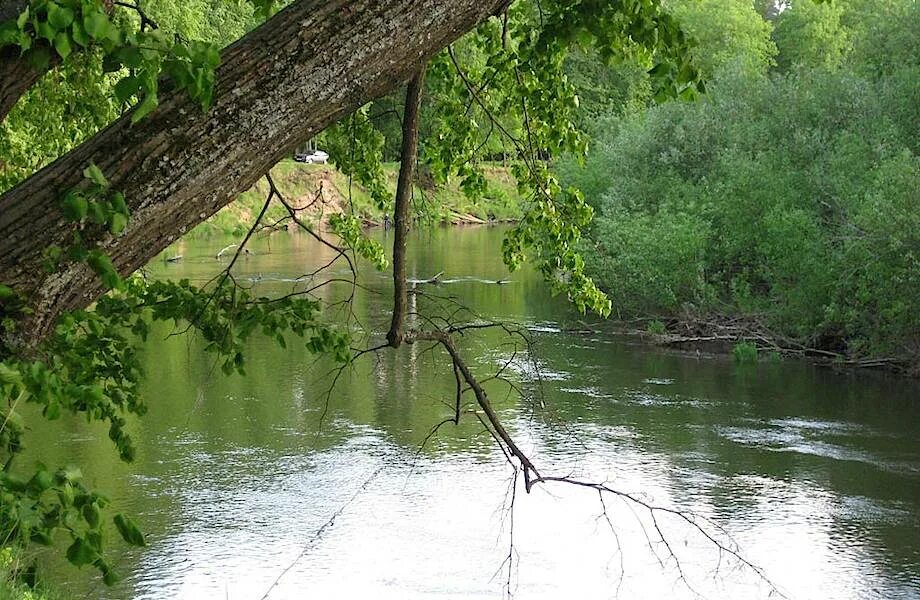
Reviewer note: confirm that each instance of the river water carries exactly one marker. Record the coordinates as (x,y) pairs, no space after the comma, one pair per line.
(265,486)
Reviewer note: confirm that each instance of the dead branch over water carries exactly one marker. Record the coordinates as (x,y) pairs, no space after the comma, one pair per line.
(409,326)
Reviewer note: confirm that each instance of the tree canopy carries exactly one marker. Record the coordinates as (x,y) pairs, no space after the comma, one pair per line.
(763,203)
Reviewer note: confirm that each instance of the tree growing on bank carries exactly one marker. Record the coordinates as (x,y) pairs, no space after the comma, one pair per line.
(198,127)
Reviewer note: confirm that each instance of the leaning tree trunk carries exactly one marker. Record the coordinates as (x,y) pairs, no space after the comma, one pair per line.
(308,66)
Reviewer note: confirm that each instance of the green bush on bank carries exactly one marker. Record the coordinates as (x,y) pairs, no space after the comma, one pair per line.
(788,194)
(792,196)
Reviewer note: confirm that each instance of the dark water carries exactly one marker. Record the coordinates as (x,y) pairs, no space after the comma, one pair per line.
(815,475)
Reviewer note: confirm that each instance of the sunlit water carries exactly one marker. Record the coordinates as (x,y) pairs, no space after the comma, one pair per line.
(252,487)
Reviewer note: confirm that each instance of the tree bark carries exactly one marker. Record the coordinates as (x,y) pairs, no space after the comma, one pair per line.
(17,75)
(401,205)
(10,9)
(311,64)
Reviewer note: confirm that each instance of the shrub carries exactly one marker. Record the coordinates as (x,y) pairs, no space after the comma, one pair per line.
(791,197)
(745,353)
(656,328)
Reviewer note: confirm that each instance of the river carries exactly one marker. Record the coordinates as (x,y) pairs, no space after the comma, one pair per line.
(256,486)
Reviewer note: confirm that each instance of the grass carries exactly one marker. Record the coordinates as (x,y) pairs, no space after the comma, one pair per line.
(745,353)
(11,589)
(656,328)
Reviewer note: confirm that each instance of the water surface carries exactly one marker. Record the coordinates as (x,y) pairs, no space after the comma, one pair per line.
(268,485)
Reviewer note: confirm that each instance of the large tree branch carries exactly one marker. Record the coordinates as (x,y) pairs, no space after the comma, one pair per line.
(10,9)
(17,75)
(311,64)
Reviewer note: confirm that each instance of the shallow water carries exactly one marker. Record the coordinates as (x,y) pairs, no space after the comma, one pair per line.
(253,486)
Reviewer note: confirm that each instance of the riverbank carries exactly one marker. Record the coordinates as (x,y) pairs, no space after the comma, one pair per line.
(11,589)
(321,191)
(746,339)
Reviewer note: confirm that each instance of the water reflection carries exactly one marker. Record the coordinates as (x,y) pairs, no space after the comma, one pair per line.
(814,474)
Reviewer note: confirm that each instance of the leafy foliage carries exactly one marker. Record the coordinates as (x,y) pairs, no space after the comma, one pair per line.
(767,196)
(348,227)
(745,353)
(504,91)
(812,35)
(91,367)
(63,25)
(727,31)
(108,60)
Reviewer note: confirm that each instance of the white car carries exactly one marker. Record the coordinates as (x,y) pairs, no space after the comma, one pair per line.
(315,157)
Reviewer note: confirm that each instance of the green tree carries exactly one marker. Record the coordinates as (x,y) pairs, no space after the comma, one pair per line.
(885,35)
(200,126)
(727,31)
(809,34)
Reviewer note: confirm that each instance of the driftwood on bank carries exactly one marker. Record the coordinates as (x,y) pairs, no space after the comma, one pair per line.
(720,335)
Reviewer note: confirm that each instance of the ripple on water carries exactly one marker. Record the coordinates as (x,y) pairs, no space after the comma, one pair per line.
(780,436)
(531,369)
(645,398)
(834,427)
(872,511)
(544,328)
(656,381)
(590,392)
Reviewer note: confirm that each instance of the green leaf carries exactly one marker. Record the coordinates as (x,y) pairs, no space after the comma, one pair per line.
(126,88)
(41,481)
(117,201)
(117,223)
(81,553)
(23,18)
(145,107)
(91,514)
(74,206)
(131,57)
(5,292)
(97,213)
(129,531)
(9,375)
(62,45)
(94,174)
(52,411)
(66,494)
(9,34)
(78,33)
(45,30)
(102,265)
(110,577)
(59,16)
(96,25)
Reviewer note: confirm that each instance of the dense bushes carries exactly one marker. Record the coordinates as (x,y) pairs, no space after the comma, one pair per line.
(793,196)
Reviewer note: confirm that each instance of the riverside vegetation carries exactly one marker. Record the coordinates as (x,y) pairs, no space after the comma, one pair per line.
(101,212)
(784,206)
